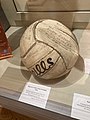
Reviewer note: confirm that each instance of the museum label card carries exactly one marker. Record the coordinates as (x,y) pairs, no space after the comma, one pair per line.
(81,107)
(87,65)
(35,94)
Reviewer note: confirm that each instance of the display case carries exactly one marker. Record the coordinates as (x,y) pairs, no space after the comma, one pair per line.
(14,75)
(74,14)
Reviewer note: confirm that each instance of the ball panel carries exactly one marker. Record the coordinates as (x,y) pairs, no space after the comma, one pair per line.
(39,51)
(56,71)
(68,57)
(27,41)
(46,64)
(55,37)
(72,61)
(55,24)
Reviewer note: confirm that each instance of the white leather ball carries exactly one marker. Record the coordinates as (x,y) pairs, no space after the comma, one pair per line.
(48,49)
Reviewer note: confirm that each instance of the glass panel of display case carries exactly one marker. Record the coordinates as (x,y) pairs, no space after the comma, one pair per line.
(51,5)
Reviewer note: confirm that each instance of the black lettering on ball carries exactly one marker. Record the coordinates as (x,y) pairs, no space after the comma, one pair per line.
(42,68)
(49,61)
